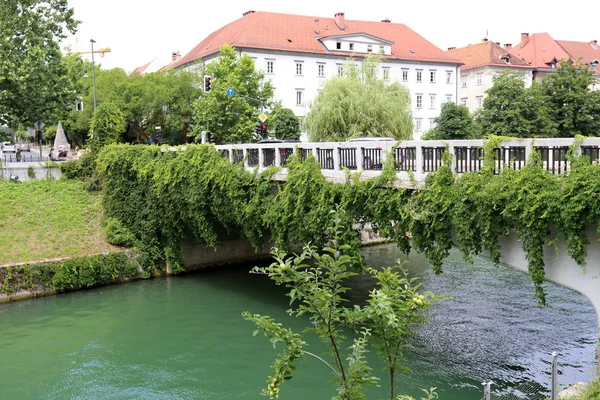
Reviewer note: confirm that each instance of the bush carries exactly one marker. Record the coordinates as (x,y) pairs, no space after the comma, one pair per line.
(30,172)
(117,234)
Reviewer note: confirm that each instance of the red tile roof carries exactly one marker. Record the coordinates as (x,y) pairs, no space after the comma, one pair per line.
(486,53)
(586,51)
(539,49)
(140,70)
(296,33)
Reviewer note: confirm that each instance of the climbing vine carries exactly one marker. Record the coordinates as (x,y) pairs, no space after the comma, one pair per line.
(167,197)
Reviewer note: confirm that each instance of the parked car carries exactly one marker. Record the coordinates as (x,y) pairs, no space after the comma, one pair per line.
(373,139)
(2,145)
(25,147)
(9,147)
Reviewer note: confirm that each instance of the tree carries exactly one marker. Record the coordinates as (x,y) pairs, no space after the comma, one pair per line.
(231,119)
(455,122)
(360,104)
(108,123)
(316,288)
(34,83)
(575,108)
(284,123)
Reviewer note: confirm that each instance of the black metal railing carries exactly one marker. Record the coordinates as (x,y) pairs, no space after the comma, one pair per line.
(372,159)
(225,153)
(237,155)
(285,154)
(268,157)
(554,159)
(593,152)
(348,158)
(325,158)
(33,157)
(432,158)
(252,157)
(467,159)
(406,159)
(513,157)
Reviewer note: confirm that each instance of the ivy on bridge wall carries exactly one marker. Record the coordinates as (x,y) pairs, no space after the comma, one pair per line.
(164,197)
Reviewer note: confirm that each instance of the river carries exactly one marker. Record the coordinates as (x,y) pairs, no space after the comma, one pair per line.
(183,337)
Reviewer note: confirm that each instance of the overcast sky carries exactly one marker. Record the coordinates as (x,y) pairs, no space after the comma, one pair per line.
(138,31)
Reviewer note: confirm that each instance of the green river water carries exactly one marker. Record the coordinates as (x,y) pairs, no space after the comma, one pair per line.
(183,337)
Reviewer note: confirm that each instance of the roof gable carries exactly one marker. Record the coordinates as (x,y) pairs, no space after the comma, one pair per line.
(539,49)
(486,53)
(300,34)
(588,52)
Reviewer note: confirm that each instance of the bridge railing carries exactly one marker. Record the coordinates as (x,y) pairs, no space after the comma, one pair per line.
(417,158)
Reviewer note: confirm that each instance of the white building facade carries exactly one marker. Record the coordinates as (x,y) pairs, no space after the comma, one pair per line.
(300,60)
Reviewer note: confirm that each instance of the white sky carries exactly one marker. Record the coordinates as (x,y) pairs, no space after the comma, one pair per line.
(138,31)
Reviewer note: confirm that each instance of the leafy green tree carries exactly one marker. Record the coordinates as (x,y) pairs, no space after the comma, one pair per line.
(455,122)
(575,108)
(360,104)
(316,287)
(231,119)
(34,82)
(108,123)
(283,123)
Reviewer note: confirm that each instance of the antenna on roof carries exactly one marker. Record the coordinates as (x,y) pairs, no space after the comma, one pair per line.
(486,33)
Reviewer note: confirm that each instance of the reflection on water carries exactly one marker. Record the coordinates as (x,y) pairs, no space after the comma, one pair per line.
(183,337)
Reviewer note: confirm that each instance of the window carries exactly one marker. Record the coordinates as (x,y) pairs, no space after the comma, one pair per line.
(404,75)
(321,70)
(298,68)
(299,97)
(270,65)
(431,123)
(448,98)
(463,101)
(419,75)
(419,101)
(369,48)
(351,46)
(386,73)
(479,79)
(479,101)
(432,101)
(419,125)
(381,49)
(338,45)
(432,76)
(340,69)
(448,76)
(463,81)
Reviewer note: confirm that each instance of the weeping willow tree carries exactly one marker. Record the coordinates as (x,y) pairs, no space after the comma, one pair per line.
(358,104)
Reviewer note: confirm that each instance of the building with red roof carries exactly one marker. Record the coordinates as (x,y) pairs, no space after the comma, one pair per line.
(298,53)
(481,62)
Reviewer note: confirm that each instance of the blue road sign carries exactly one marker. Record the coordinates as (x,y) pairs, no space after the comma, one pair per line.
(230,92)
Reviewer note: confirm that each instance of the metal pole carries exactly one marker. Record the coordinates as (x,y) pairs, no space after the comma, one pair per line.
(487,390)
(554,394)
(92,41)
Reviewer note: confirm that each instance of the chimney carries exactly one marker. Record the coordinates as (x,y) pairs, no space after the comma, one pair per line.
(484,40)
(175,56)
(387,20)
(508,46)
(451,48)
(524,38)
(340,21)
(317,31)
(497,43)
(248,13)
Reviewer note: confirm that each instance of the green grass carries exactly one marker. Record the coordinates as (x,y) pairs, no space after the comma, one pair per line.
(44,219)
(591,392)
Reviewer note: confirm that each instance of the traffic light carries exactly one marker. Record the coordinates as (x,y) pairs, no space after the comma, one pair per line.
(207,83)
(263,130)
(38,135)
(258,129)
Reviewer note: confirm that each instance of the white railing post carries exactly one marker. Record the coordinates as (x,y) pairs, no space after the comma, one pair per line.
(245,157)
(452,152)
(419,162)
(336,157)
(554,393)
(277,156)
(360,158)
(261,159)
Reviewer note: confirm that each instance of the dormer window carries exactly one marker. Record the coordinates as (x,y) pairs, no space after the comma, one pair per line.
(351,46)
(505,58)
(369,48)
(338,45)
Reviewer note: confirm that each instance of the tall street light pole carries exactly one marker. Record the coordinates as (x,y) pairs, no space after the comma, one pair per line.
(92,41)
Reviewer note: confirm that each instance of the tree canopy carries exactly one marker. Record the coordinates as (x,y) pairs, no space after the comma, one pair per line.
(283,123)
(231,119)
(34,83)
(455,122)
(357,104)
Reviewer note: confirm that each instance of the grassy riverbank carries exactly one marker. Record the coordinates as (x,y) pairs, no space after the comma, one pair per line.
(43,219)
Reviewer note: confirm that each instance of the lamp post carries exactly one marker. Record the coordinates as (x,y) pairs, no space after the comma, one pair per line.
(92,41)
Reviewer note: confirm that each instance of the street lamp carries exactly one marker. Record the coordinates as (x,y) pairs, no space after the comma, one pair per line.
(92,41)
